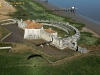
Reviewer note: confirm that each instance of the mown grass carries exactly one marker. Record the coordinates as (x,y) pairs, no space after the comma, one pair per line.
(77,25)
(61,33)
(4,50)
(3,31)
(17,64)
(2,44)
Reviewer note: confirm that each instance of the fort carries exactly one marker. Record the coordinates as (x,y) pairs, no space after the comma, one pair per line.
(35,30)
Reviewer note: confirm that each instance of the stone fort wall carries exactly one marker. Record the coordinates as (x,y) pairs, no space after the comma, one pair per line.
(70,41)
(62,43)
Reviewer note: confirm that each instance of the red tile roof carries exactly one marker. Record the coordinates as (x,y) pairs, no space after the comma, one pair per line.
(32,24)
(49,30)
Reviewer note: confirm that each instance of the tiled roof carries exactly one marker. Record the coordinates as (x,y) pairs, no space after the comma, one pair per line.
(32,24)
(27,21)
(49,30)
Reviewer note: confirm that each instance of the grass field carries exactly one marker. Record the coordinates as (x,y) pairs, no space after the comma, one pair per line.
(61,33)
(3,32)
(88,39)
(17,64)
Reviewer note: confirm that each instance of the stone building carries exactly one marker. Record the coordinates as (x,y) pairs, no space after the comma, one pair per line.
(35,30)
(32,30)
(48,34)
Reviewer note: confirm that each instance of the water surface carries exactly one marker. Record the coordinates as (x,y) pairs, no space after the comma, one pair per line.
(90,9)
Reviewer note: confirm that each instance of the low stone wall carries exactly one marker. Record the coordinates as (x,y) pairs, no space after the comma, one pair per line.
(71,39)
(6,20)
(14,21)
(6,36)
(83,50)
(9,47)
(56,26)
(8,23)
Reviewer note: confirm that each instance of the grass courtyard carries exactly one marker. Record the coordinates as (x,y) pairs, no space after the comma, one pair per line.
(61,33)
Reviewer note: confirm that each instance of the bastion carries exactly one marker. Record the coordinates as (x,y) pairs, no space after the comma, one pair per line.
(34,30)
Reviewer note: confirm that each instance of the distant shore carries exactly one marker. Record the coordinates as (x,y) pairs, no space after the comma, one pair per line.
(78,18)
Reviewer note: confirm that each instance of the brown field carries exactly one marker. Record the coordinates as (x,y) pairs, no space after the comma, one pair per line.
(20,47)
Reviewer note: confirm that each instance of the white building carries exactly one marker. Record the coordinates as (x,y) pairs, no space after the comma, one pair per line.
(48,34)
(34,30)
(22,24)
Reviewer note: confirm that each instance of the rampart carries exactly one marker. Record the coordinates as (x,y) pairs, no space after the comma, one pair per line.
(70,41)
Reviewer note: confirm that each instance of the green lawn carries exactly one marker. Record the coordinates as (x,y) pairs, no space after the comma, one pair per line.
(5,44)
(4,32)
(61,33)
(17,64)
(88,39)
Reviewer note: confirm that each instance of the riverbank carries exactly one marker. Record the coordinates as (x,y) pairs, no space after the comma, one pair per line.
(78,18)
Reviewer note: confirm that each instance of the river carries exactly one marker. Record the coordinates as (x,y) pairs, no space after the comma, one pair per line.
(89,9)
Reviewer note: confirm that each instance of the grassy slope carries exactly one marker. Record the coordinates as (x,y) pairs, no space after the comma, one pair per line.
(17,64)
(4,32)
(88,39)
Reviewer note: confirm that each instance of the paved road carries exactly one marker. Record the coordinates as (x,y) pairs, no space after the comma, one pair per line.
(89,24)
